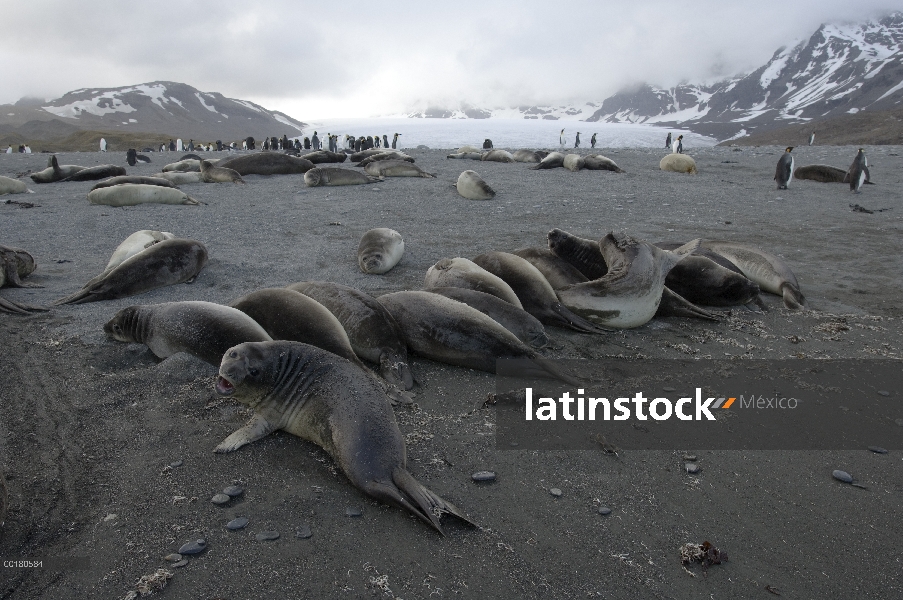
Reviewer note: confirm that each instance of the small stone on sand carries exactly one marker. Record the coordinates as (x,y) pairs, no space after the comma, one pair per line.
(267,536)
(353,511)
(842,476)
(604,510)
(220,499)
(555,492)
(236,524)
(195,547)
(692,468)
(483,476)
(304,532)
(233,490)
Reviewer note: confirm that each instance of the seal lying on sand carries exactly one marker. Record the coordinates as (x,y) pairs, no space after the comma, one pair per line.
(166,263)
(390,155)
(767,270)
(55,172)
(15,264)
(529,156)
(553,160)
(466,156)
(373,333)
(213,174)
(184,166)
(471,186)
(321,176)
(266,163)
(202,329)
(821,173)
(678,163)
(132,194)
(380,249)
(597,162)
(501,156)
(162,182)
(573,162)
(181,178)
(396,168)
(12,186)
(557,271)
(463,273)
(325,156)
(95,173)
(522,324)
(130,246)
(327,400)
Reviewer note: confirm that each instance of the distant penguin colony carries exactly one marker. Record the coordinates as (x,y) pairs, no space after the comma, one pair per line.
(784,172)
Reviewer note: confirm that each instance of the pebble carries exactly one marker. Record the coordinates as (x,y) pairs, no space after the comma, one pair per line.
(883,393)
(604,510)
(555,492)
(181,563)
(220,499)
(173,557)
(267,536)
(669,389)
(690,457)
(304,532)
(236,524)
(176,464)
(877,449)
(842,476)
(353,511)
(110,517)
(233,490)
(195,547)
(483,476)
(692,468)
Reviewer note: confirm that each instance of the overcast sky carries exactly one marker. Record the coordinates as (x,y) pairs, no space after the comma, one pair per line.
(358,59)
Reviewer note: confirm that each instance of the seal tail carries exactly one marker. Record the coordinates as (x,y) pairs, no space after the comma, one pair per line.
(423,502)
(793,297)
(9,306)
(674,305)
(564,317)
(396,371)
(79,297)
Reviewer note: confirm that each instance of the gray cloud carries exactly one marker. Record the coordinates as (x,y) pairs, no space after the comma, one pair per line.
(320,59)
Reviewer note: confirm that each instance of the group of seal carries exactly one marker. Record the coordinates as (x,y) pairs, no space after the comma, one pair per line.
(856,175)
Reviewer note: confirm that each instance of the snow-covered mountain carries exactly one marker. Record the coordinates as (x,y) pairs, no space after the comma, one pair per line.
(840,69)
(162,107)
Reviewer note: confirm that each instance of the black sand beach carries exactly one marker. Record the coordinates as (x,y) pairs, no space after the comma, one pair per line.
(89,427)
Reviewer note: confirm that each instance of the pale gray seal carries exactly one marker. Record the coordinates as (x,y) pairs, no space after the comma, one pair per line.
(12,186)
(213,174)
(181,178)
(471,186)
(396,168)
(202,329)
(821,173)
(16,264)
(162,182)
(390,155)
(678,163)
(529,156)
(359,156)
(501,156)
(573,162)
(166,263)
(266,163)
(96,173)
(630,292)
(373,333)
(767,270)
(327,400)
(553,160)
(131,194)
(522,324)
(597,162)
(380,249)
(130,246)
(452,332)
(463,273)
(55,172)
(325,156)
(466,156)
(533,290)
(184,166)
(467,149)
(322,176)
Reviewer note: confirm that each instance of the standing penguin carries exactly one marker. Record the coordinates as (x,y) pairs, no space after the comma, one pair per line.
(103,145)
(859,171)
(385,141)
(179,147)
(677,146)
(811,138)
(395,140)
(487,144)
(577,140)
(172,145)
(592,141)
(561,138)
(377,141)
(668,140)
(315,141)
(784,172)
(306,143)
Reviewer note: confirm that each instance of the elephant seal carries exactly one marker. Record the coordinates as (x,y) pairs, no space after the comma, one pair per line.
(501,156)
(390,155)
(529,156)
(16,264)
(820,173)
(202,329)
(132,194)
(12,186)
(463,273)
(553,160)
(359,156)
(630,292)
(573,162)
(471,186)
(700,280)
(469,149)
(522,324)
(453,333)
(675,305)
(766,270)
(466,156)
(557,271)
(534,292)
(581,253)
(96,173)
(678,163)
(396,168)
(325,156)
(132,245)
(701,251)
(322,176)
(166,263)
(597,162)
(212,174)
(184,166)
(327,400)
(162,182)
(55,172)
(181,178)
(379,250)
(266,163)
(190,156)
(373,333)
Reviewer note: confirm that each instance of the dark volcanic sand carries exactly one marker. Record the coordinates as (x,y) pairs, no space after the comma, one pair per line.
(89,426)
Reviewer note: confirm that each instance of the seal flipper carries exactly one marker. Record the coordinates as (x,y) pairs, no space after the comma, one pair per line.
(674,305)
(793,297)
(571,320)
(396,371)
(257,428)
(8,306)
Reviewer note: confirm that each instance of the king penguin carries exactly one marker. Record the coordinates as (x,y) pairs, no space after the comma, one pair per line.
(385,141)
(577,140)
(103,145)
(784,172)
(592,141)
(561,138)
(678,146)
(668,140)
(859,171)
(811,138)
(395,140)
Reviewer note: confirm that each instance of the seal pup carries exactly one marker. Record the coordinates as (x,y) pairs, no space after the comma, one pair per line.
(581,253)
(821,173)
(184,166)
(390,155)
(471,186)
(597,162)
(573,162)
(700,280)
(453,333)
(362,154)
(323,176)
(528,156)
(266,163)
(501,156)
(766,270)
(203,329)
(396,168)
(307,392)
(522,324)
(463,273)
(325,156)
(380,249)
(12,186)
(783,174)
(533,290)
(96,173)
(466,156)
(212,174)
(487,144)
(553,160)
(161,181)
(557,271)
(373,333)
(858,173)
(678,163)
(630,292)
(469,149)
(54,172)
(131,194)
(166,263)
(179,178)
(16,264)
(130,246)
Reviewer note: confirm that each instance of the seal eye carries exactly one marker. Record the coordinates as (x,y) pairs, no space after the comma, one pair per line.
(233,354)
(117,328)
(253,372)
